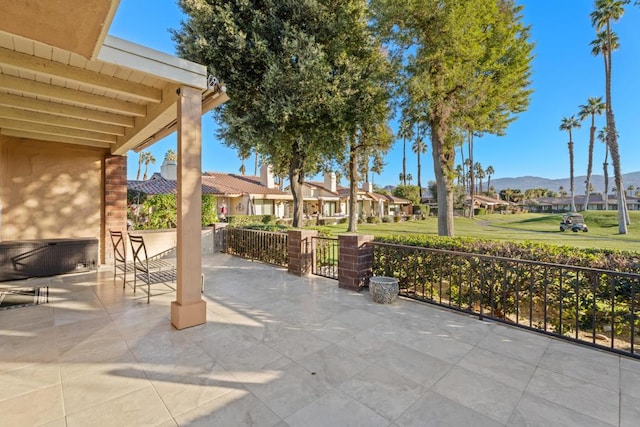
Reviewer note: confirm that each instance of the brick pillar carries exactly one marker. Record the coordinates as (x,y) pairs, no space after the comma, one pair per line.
(355,260)
(115,202)
(300,251)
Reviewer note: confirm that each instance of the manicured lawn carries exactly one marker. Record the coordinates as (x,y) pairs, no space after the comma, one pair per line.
(543,228)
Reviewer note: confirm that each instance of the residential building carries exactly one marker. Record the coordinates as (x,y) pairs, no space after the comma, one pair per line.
(236,194)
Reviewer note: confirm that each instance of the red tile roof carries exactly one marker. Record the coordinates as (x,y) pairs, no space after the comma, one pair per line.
(221,184)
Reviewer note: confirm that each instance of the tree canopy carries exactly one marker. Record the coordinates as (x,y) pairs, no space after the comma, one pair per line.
(293,74)
(467,65)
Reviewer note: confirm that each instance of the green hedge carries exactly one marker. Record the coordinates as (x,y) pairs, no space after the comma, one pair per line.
(162,210)
(606,259)
(557,300)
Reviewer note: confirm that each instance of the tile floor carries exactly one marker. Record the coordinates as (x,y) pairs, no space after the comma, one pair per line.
(279,350)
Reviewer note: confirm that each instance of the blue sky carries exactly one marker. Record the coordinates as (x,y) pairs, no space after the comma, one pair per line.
(565,75)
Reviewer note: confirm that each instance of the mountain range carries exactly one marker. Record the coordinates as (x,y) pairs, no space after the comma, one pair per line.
(527,182)
(524,183)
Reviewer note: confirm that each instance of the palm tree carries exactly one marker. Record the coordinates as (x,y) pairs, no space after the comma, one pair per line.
(568,123)
(171,155)
(409,178)
(419,147)
(489,171)
(140,162)
(377,166)
(255,168)
(479,173)
(563,193)
(591,108)
(402,178)
(607,11)
(460,175)
(406,131)
(631,188)
(148,158)
(602,137)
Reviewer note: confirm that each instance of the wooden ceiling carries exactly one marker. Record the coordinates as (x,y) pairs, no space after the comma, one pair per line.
(114,95)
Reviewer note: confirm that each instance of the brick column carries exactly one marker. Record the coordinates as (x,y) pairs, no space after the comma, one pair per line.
(300,251)
(115,203)
(355,260)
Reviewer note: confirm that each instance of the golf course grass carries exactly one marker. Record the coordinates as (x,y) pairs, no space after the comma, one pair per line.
(542,228)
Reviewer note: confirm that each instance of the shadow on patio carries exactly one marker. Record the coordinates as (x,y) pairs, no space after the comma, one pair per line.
(283,350)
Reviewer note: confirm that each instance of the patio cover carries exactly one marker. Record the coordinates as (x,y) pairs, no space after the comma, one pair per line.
(64,80)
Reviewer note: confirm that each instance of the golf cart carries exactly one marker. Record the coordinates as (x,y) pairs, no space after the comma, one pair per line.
(573,222)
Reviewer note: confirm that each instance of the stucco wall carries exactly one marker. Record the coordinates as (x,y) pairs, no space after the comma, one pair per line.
(49,190)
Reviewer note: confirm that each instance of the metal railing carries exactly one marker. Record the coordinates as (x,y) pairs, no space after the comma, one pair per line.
(596,307)
(256,245)
(325,257)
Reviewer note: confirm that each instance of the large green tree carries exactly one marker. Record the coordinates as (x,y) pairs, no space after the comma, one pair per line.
(593,107)
(605,12)
(365,87)
(454,52)
(286,66)
(568,124)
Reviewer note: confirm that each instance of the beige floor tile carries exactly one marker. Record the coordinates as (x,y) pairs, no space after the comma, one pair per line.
(28,379)
(435,410)
(254,364)
(100,384)
(525,346)
(382,391)
(482,394)
(334,364)
(290,389)
(267,333)
(584,364)
(142,407)
(38,407)
(583,397)
(533,411)
(336,409)
(506,370)
(186,388)
(237,408)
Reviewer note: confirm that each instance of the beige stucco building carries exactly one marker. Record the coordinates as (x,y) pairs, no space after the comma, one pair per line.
(73,102)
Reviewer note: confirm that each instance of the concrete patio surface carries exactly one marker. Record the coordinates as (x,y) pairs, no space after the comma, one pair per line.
(280,350)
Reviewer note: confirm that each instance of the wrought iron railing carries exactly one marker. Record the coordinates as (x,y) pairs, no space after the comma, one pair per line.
(257,245)
(596,307)
(325,257)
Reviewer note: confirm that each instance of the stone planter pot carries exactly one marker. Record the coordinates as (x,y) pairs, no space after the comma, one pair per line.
(383,290)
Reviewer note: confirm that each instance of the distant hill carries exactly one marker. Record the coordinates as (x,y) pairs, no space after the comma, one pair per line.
(526,182)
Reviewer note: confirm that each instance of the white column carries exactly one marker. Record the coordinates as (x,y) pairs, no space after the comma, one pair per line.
(189,309)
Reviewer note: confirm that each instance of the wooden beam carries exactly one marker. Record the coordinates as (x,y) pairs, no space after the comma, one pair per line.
(77,97)
(158,117)
(52,138)
(22,61)
(55,130)
(65,110)
(68,122)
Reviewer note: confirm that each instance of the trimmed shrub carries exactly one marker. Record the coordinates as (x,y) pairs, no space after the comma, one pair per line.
(387,218)
(606,259)
(397,218)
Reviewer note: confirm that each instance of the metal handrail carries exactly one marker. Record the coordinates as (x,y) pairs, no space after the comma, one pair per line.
(325,257)
(592,306)
(257,245)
